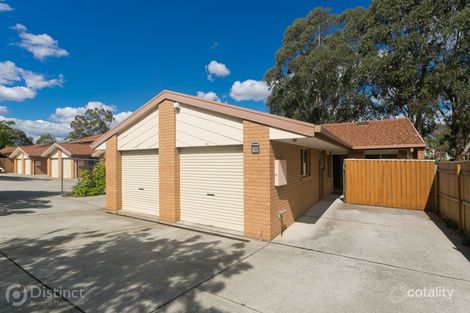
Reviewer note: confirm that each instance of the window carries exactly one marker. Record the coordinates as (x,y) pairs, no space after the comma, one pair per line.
(305,162)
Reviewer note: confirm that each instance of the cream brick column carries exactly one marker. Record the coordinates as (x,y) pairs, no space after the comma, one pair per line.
(49,170)
(23,165)
(59,160)
(113,175)
(257,181)
(168,159)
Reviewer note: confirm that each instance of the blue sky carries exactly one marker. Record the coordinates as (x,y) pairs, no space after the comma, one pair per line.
(121,53)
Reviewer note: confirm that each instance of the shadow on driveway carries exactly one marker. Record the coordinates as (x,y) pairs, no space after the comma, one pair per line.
(23,202)
(450,234)
(135,270)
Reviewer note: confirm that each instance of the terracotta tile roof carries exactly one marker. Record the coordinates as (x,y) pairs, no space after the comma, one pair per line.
(89,139)
(379,134)
(7,150)
(35,150)
(77,149)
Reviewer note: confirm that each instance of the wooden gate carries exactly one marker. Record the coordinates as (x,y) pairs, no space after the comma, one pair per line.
(405,184)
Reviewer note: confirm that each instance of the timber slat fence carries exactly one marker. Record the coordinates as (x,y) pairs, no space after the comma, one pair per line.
(405,184)
(454,192)
(411,184)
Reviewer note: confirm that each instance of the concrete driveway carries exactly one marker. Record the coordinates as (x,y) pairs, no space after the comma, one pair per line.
(334,259)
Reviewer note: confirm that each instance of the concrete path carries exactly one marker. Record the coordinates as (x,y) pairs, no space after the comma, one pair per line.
(335,259)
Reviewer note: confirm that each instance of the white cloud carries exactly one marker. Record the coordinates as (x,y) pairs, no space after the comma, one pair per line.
(30,82)
(4,7)
(217,69)
(19,93)
(36,128)
(41,46)
(211,96)
(3,110)
(67,114)
(250,90)
(118,118)
(59,123)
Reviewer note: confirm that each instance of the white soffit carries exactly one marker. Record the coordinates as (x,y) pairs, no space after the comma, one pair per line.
(276,134)
(314,143)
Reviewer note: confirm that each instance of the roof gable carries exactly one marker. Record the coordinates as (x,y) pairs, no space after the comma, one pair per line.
(303,128)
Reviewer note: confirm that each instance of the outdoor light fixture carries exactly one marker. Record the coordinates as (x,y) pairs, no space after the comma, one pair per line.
(177,106)
(255,148)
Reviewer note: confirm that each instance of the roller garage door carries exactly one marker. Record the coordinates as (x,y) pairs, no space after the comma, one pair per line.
(140,182)
(67,168)
(211,186)
(54,168)
(27,167)
(19,166)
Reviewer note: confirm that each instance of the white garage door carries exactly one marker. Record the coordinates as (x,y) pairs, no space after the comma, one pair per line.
(55,168)
(140,182)
(27,166)
(19,166)
(211,186)
(67,168)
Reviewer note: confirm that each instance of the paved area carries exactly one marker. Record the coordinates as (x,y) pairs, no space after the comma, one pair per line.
(337,258)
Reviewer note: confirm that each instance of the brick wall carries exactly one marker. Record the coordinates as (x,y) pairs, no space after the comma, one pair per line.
(168,164)
(113,175)
(300,193)
(356,154)
(419,154)
(7,164)
(258,179)
(42,169)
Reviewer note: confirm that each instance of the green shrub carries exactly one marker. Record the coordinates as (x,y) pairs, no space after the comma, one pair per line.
(91,182)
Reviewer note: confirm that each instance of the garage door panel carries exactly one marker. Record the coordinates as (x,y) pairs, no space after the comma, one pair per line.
(217,171)
(140,185)
(67,170)
(20,166)
(55,168)
(27,166)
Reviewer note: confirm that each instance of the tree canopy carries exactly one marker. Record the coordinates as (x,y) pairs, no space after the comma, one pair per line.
(10,136)
(396,58)
(94,122)
(46,139)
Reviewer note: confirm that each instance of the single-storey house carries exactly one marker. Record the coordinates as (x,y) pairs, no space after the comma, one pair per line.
(381,139)
(7,164)
(187,160)
(67,158)
(28,160)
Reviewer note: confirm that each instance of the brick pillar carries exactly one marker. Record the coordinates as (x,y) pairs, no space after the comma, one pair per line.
(168,161)
(420,154)
(49,170)
(15,166)
(23,165)
(113,175)
(257,171)
(59,160)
